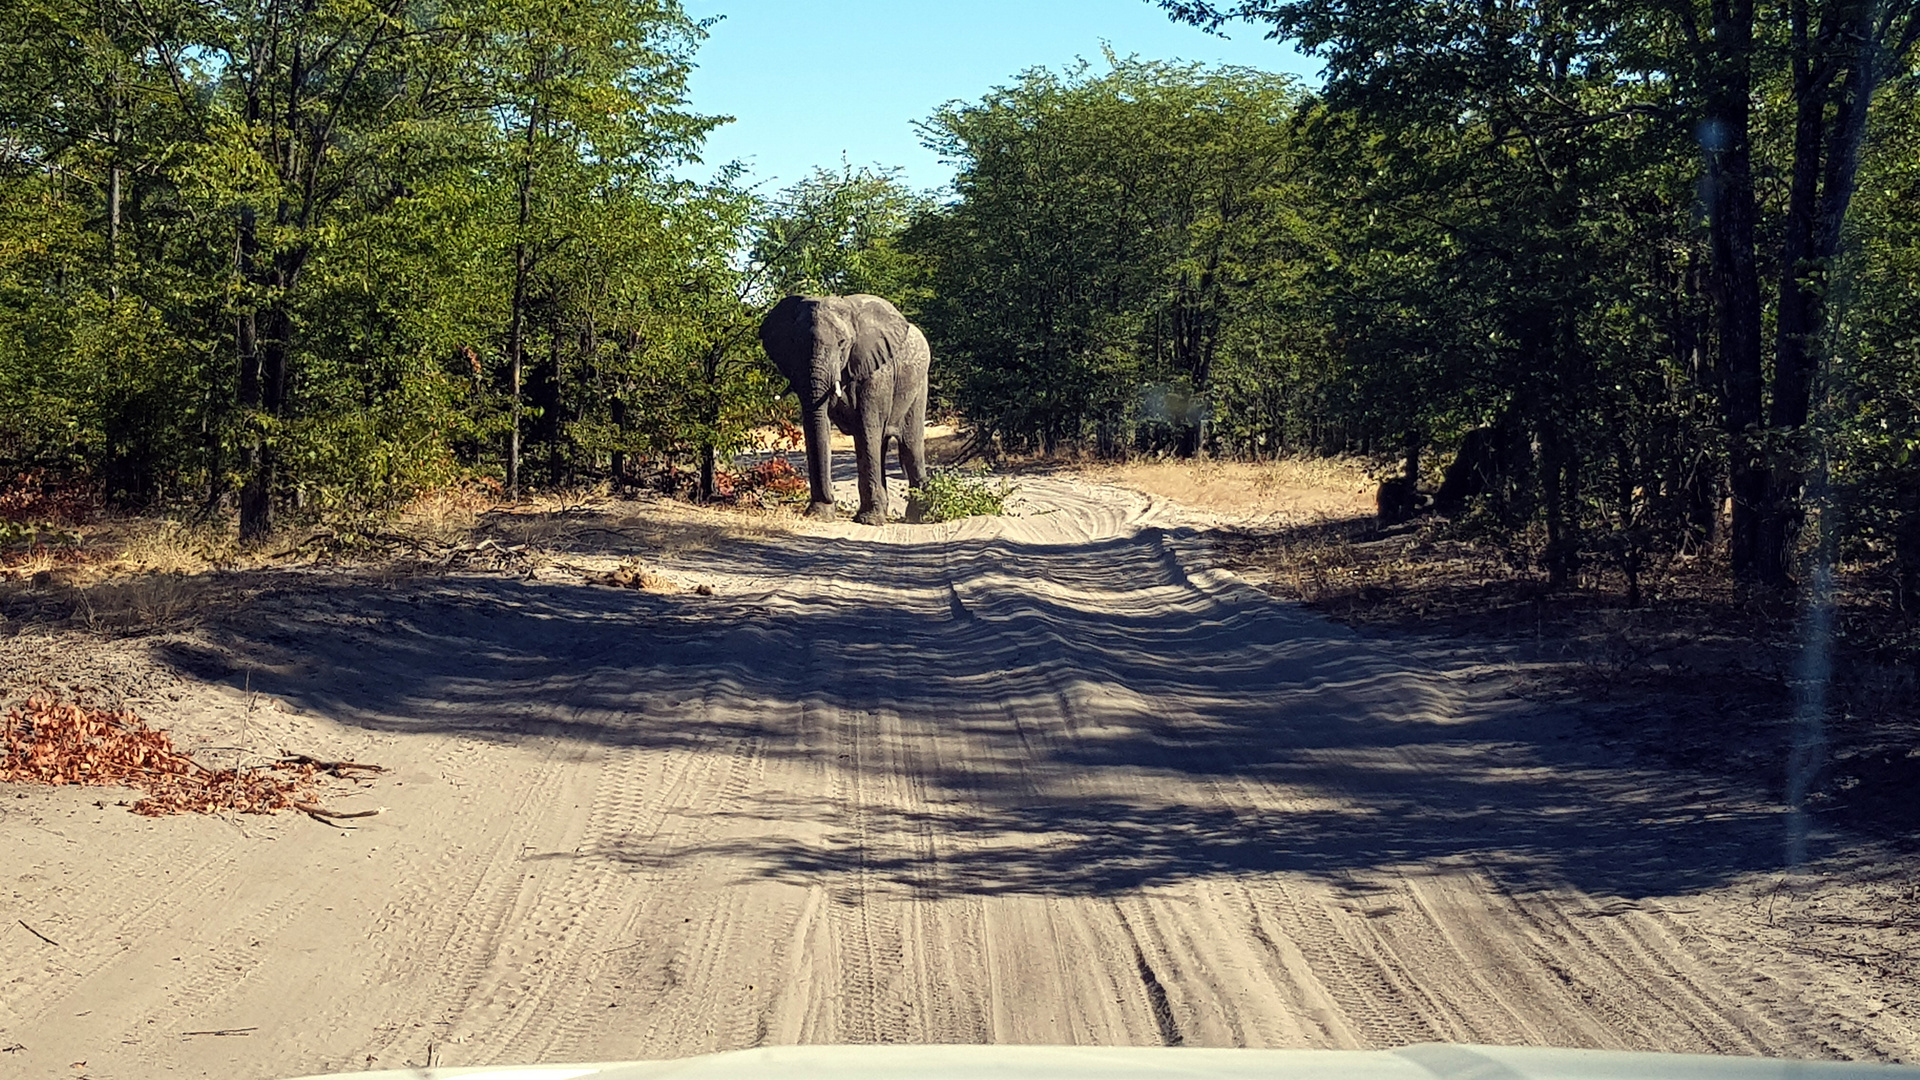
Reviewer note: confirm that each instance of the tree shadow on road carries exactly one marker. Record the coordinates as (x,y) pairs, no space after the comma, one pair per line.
(1077,719)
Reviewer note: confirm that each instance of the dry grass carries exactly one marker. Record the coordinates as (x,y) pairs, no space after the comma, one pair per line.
(448,513)
(585,521)
(120,546)
(170,547)
(124,576)
(144,603)
(1296,488)
(118,605)
(115,576)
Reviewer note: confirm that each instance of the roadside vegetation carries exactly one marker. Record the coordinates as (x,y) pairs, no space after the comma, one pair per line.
(1607,293)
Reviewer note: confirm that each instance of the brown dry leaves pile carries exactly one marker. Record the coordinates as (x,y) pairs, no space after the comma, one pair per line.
(50,741)
(631,575)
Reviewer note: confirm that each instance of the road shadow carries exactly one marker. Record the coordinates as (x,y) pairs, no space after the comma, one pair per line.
(1083,718)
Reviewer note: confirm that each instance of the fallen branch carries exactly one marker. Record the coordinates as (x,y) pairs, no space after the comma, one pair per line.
(332,768)
(321,813)
(225,1031)
(323,534)
(39,935)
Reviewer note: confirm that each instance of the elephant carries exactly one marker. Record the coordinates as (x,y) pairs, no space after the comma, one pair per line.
(857,362)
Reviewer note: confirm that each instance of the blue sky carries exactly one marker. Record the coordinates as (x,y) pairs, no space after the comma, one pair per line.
(809,80)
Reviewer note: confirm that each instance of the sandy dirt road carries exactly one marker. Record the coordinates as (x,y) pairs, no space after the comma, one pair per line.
(1042,779)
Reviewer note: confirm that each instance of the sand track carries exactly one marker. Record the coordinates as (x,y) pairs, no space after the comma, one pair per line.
(1046,779)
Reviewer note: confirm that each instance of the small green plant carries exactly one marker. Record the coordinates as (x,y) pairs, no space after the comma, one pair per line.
(950,494)
(31,535)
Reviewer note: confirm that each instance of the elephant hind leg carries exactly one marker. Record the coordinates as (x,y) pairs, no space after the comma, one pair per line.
(913,450)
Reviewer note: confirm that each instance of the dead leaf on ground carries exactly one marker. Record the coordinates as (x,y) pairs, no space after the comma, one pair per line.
(55,742)
(638,577)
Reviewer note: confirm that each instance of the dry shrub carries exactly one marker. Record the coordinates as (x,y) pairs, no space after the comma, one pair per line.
(170,547)
(141,603)
(37,564)
(449,513)
(775,476)
(50,741)
(28,549)
(38,496)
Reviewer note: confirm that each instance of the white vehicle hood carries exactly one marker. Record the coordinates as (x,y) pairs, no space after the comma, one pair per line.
(1425,1061)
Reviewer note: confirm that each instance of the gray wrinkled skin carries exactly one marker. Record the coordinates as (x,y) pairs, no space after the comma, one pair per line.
(857,363)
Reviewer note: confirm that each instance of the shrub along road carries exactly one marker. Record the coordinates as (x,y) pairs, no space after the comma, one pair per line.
(1046,778)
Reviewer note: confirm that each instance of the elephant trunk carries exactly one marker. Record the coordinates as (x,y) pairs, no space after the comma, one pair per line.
(825,369)
(824,389)
(819,432)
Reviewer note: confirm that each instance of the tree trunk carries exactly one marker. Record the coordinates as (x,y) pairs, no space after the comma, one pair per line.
(711,421)
(1559,556)
(270,393)
(269,331)
(1732,217)
(114,172)
(113,221)
(514,344)
(517,321)
(256,512)
(1830,125)
(618,466)
(516,359)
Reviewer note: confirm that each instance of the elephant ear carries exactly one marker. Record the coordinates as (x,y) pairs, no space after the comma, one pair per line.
(786,335)
(881,336)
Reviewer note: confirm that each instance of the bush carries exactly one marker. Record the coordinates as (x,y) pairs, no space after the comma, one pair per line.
(949,495)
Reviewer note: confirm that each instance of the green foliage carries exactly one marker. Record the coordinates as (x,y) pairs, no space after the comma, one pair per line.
(1873,406)
(838,234)
(325,254)
(1110,235)
(1620,227)
(952,494)
(189,309)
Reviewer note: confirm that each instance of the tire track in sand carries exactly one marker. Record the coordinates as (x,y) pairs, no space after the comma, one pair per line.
(1466,959)
(542,1010)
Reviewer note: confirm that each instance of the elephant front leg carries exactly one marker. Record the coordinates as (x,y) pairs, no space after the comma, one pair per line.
(819,463)
(869,451)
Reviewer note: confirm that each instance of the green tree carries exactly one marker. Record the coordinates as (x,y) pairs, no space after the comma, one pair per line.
(1699,69)
(586,96)
(1107,228)
(1874,402)
(305,246)
(839,233)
